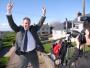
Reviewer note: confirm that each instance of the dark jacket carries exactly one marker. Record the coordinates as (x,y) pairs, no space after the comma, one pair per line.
(20,32)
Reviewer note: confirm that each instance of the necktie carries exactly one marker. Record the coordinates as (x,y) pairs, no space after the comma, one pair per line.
(25,41)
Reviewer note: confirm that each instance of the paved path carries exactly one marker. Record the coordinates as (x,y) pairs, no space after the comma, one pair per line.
(44,61)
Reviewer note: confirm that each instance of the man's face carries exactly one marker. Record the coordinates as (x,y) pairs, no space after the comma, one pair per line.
(26,24)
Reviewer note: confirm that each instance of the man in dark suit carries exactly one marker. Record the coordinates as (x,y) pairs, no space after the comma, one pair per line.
(27,40)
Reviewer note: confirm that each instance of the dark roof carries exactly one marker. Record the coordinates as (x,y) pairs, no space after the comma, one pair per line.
(88,15)
(76,21)
(58,26)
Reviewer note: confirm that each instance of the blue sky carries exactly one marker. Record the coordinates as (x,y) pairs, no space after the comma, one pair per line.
(57,10)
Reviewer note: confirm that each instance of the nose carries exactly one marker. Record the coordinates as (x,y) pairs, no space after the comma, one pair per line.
(26,23)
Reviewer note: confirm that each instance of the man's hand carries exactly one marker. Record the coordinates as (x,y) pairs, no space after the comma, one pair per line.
(9,7)
(44,11)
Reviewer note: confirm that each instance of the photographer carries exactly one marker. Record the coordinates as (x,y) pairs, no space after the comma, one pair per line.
(80,41)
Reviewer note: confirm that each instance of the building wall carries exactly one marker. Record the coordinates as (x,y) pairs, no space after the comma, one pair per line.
(45,29)
(57,34)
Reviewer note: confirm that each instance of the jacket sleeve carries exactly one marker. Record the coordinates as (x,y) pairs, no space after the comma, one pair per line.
(40,23)
(12,23)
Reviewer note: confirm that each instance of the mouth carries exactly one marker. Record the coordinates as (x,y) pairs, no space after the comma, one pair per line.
(25,26)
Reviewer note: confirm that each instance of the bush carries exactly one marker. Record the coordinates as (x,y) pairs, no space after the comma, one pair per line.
(8,39)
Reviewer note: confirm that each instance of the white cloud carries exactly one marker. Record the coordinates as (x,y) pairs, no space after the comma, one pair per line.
(5,27)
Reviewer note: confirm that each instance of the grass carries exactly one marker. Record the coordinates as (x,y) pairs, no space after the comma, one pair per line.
(47,47)
(87,48)
(72,49)
(70,53)
(3,62)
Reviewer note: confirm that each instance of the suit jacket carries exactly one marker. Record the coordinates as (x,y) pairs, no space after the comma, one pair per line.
(20,32)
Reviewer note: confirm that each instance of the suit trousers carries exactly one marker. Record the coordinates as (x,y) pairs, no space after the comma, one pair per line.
(30,57)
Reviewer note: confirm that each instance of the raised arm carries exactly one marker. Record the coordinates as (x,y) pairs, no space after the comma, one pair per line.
(10,19)
(41,21)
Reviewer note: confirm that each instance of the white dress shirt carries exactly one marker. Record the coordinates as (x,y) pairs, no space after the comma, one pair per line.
(30,44)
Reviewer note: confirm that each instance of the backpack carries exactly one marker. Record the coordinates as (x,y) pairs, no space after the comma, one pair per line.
(82,39)
(56,48)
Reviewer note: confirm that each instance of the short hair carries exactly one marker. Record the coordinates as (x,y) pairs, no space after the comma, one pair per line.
(27,18)
(79,14)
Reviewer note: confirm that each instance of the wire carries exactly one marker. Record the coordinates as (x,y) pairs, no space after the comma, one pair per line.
(43,3)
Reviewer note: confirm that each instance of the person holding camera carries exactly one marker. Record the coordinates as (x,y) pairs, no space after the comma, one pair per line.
(80,43)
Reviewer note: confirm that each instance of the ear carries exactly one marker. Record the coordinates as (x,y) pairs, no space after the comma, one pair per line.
(29,23)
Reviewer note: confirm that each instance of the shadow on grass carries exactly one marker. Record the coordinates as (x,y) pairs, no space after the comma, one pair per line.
(3,51)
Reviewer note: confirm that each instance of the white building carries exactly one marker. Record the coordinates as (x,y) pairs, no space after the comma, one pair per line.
(78,25)
(58,32)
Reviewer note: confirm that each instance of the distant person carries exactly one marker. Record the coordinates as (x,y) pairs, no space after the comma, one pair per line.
(27,40)
(80,43)
(85,34)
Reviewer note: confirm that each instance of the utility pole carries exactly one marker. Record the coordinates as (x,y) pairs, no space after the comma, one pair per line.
(83,13)
(83,7)
(66,25)
(72,27)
